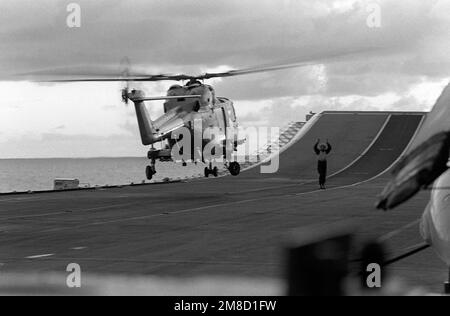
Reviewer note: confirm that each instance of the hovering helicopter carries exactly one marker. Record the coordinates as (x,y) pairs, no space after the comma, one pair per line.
(184,104)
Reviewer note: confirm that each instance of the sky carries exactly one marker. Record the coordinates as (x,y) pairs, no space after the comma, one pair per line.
(394,56)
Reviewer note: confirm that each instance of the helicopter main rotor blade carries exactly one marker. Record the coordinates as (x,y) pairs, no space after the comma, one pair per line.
(85,73)
(130,78)
(294,64)
(108,74)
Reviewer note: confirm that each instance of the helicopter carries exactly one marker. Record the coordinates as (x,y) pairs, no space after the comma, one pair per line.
(185,104)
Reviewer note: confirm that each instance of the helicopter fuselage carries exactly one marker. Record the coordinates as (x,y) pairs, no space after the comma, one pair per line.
(199,115)
(194,107)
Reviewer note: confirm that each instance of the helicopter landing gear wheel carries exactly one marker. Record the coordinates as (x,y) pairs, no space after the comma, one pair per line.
(211,171)
(150,171)
(234,168)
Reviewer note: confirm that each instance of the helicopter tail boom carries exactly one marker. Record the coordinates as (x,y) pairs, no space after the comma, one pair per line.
(146,128)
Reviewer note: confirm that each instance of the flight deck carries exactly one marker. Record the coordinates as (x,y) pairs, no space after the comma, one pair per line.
(227,226)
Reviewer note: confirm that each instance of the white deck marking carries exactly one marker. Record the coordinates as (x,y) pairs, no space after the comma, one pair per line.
(67,212)
(40,256)
(398,231)
(78,248)
(32,216)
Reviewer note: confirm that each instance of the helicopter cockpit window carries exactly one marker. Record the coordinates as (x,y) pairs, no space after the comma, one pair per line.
(175,87)
(213,93)
(193,83)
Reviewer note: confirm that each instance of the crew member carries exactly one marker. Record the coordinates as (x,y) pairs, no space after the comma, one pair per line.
(322,150)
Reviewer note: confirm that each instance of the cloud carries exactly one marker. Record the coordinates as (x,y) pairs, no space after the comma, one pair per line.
(400,66)
(280,111)
(176,35)
(60,127)
(51,145)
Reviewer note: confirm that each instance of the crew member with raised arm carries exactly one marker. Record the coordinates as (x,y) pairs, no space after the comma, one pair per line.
(322,150)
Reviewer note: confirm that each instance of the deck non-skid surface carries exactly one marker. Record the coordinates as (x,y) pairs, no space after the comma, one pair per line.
(227,226)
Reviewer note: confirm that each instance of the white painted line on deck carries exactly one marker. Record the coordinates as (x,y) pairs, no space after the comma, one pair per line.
(33,216)
(78,248)
(67,212)
(398,231)
(40,256)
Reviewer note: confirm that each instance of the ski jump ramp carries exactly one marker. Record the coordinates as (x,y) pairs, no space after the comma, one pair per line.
(365,144)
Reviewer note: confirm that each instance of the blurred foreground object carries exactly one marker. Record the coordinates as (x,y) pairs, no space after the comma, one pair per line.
(418,170)
(426,159)
(318,260)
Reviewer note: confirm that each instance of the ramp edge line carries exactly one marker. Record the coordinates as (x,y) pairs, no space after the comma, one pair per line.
(403,154)
(375,139)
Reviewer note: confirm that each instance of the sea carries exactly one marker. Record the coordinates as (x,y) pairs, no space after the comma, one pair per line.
(39,174)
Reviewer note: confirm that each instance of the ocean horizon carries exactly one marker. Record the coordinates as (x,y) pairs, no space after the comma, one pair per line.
(36,174)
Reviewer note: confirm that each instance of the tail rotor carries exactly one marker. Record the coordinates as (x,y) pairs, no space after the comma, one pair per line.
(125,92)
(125,66)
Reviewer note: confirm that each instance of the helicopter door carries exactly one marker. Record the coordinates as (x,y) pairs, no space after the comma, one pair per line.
(225,120)
(220,116)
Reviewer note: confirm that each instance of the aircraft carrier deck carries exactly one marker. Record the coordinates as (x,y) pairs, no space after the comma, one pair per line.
(232,226)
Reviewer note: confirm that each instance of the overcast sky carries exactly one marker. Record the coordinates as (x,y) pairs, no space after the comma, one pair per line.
(401,65)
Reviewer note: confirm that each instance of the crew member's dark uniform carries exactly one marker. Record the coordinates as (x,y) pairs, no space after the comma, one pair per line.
(322,152)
